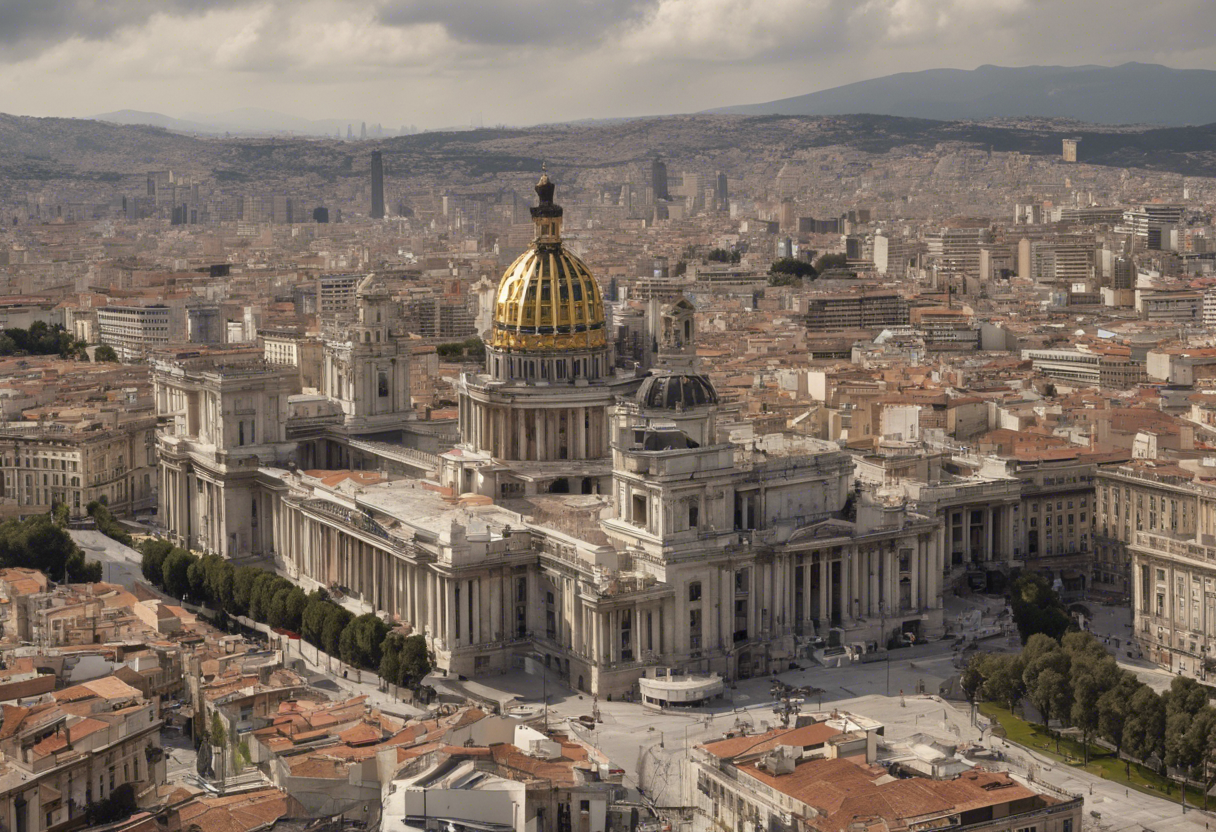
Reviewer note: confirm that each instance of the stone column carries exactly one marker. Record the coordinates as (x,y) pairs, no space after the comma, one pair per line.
(726,608)
(580,433)
(988,520)
(825,613)
(449,601)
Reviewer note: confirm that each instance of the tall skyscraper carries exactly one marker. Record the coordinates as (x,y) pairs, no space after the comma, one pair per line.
(658,181)
(377,186)
(720,195)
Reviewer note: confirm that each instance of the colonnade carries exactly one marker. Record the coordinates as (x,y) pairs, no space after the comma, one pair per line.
(996,530)
(536,434)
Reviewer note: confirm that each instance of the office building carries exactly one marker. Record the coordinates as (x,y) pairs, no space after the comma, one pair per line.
(377,211)
(658,181)
(133,331)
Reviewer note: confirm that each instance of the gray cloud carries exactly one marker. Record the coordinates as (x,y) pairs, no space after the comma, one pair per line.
(433,62)
(559,24)
(52,21)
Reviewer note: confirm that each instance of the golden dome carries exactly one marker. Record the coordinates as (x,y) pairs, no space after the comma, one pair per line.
(548,299)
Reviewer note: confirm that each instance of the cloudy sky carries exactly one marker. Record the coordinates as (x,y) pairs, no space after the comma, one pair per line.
(445,62)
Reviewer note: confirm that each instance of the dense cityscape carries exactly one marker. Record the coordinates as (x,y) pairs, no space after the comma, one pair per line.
(756,470)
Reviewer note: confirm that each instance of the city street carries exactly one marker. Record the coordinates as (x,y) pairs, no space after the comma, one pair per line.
(120,564)
(652,746)
(181,758)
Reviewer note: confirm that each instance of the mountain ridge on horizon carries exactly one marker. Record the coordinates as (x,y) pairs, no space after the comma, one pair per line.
(241,120)
(1130,93)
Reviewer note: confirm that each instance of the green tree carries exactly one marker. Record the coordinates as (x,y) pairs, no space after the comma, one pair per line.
(1184,696)
(1203,739)
(972,679)
(197,577)
(335,625)
(390,659)
(39,543)
(154,552)
(296,603)
(415,661)
(831,261)
(107,524)
(219,737)
(312,622)
(242,588)
(1003,679)
(277,611)
(1114,710)
(1037,608)
(118,806)
(218,577)
(1144,731)
(1051,696)
(361,641)
(261,593)
(105,353)
(176,573)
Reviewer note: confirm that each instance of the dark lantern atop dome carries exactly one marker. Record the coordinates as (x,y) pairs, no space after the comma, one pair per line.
(676,391)
(544,192)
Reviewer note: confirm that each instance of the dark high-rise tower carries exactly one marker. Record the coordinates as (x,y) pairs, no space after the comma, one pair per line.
(720,193)
(658,181)
(377,186)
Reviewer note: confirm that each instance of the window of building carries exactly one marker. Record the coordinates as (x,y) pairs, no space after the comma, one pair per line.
(741,580)
(694,591)
(693,515)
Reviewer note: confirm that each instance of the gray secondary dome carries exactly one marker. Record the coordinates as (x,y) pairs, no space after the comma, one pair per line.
(676,391)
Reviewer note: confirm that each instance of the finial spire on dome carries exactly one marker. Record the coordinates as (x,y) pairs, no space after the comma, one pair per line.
(546,214)
(545,188)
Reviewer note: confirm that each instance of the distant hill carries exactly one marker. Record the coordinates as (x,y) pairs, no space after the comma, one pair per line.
(1131,93)
(246,121)
(42,150)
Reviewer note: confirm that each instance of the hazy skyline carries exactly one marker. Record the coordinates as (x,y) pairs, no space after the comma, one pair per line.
(434,63)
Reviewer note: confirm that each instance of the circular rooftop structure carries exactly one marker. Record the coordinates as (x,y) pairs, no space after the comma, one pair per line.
(676,391)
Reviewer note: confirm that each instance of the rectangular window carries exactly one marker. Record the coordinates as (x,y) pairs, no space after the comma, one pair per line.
(694,591)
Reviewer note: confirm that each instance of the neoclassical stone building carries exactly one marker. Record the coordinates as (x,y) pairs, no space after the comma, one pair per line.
(593,516)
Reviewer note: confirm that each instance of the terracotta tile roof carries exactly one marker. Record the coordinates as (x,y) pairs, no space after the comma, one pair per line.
(57,741)
(808,735)
(317,767)
(360,734)
(845,792)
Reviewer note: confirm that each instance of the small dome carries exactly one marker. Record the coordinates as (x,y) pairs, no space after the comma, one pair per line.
(676,391)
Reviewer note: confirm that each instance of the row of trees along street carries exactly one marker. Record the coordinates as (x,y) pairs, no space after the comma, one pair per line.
(1067,677)
(363,641)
